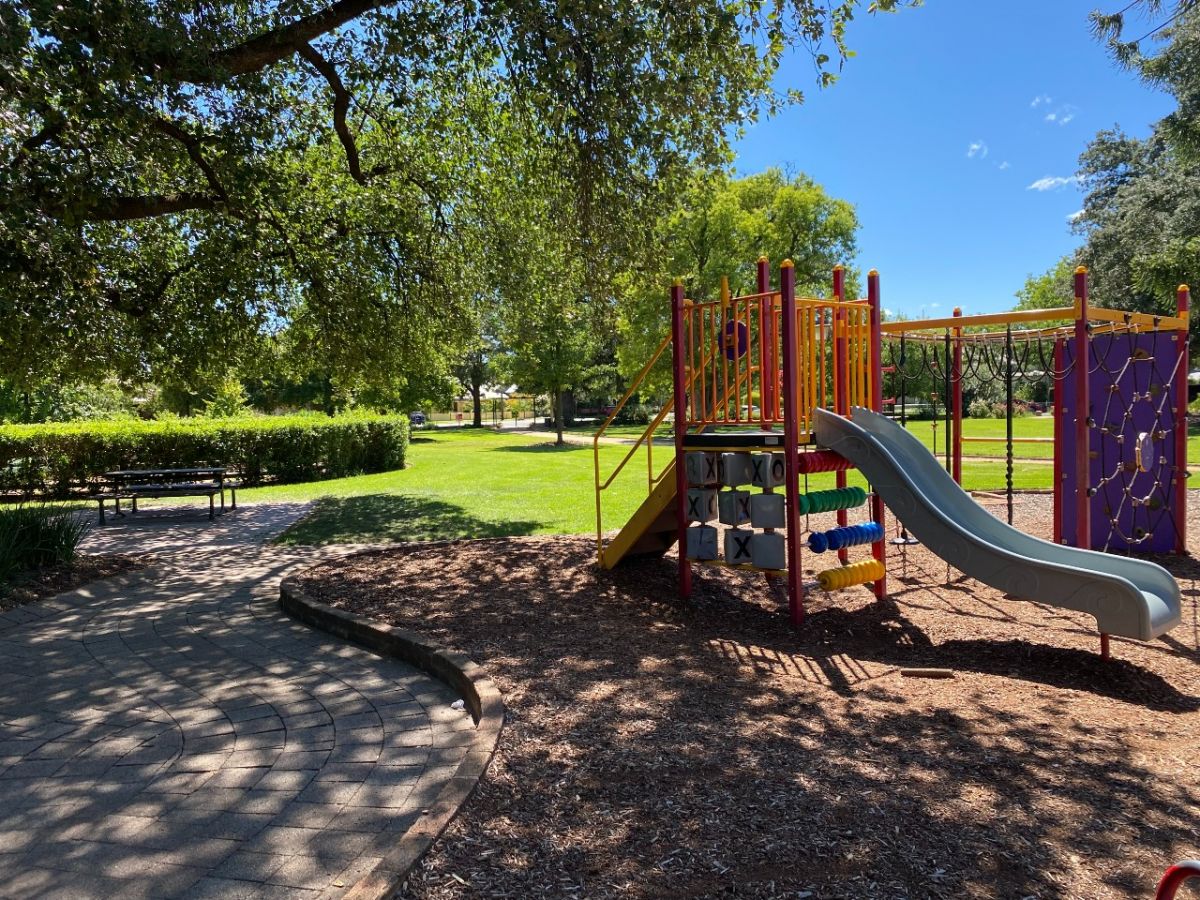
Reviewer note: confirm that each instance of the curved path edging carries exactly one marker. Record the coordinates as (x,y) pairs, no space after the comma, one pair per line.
(455,669)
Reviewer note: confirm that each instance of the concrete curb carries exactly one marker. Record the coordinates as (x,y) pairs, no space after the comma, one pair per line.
(482,699)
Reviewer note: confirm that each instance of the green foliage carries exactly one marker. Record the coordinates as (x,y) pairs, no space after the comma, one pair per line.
(1054,288)
(62,460)
(1141,216)
(33,537)
(183,187)
(721,226)
(228,400)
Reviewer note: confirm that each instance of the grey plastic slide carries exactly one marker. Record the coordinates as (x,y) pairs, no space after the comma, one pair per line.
(1128,597)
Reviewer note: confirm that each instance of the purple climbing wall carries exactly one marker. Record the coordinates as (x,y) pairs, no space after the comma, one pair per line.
(1132,441)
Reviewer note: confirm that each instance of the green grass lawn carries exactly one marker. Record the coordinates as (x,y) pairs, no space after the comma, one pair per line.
(479,483)
(484,484)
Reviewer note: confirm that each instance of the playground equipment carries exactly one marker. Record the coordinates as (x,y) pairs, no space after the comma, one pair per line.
(770,388)
(1126,458)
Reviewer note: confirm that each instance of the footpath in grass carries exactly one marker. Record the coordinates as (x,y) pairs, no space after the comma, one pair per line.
(473,484)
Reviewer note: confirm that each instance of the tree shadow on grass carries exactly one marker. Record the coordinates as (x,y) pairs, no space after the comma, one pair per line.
(547,447)
(380,518)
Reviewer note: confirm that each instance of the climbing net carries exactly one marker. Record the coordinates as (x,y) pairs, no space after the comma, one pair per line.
(1134,421)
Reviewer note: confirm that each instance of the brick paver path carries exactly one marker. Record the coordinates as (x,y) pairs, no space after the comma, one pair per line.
(173,734)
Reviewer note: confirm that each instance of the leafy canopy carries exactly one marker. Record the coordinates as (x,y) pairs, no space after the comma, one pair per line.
(181,180)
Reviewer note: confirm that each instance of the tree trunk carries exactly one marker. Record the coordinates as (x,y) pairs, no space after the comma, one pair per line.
(327,395)
(477,405)
(558,417)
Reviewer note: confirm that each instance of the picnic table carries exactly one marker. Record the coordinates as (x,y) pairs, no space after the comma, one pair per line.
(141,484)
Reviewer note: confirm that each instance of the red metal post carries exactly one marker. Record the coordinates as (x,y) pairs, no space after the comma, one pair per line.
(1083,457)
(879,548)
(787,287)
(1083,415)
(841,381)
(679,368)
(1182,304)
(956,394)
(1056,383)
(768,362)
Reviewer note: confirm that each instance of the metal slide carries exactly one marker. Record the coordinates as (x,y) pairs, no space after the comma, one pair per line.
(1128,597)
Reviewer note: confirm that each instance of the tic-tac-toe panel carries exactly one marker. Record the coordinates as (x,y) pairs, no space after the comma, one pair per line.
(768,470)
(767,551)
(702,542)
(738,543)
(701,468)
(766,511)
(701,504)
(735,469)
(733,507)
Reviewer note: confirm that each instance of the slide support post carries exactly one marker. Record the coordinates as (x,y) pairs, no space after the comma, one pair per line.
(879,548)
(1083,461)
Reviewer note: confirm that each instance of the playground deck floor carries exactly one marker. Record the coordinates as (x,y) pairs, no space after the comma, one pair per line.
(657,749)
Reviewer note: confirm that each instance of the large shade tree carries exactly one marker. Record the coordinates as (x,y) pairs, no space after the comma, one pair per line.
(180,180)
(720,226)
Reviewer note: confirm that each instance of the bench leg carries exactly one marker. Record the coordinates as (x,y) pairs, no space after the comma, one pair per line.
(212,508)
(222,501)
(233,498)
(101,502)
(117,508)
(134,500)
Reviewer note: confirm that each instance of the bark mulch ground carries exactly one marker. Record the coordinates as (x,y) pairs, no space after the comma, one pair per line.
(42,584)
(659,749)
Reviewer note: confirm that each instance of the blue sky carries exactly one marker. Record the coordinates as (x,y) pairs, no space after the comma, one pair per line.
(942,130)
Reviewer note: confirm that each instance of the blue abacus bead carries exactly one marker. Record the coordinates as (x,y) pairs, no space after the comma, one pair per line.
(876,532)
(817,542)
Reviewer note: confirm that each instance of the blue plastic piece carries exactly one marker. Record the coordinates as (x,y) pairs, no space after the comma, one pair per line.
(847,536)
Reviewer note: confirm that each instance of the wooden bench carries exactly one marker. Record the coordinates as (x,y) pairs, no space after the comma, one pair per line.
(154,484)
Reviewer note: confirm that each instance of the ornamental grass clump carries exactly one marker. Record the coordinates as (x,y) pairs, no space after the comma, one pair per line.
(36,537)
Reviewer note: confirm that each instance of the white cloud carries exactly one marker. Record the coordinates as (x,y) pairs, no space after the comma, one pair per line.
(977,150)
(1004,165)
(1041,100)
(1075,216)
(1062,115)
(1052,183)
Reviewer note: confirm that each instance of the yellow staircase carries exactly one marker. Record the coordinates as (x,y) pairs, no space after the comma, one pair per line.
(650,530)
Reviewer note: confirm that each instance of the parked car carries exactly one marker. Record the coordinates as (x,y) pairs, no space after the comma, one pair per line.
(416,417)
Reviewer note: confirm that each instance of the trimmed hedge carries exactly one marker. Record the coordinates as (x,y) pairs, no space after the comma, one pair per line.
(63,460)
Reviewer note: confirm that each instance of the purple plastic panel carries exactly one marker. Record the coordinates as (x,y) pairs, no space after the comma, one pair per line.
(1131,395)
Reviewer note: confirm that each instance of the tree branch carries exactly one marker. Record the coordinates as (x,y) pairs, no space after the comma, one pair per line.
(122,209)
(264,49)
(192,146)
(341,105)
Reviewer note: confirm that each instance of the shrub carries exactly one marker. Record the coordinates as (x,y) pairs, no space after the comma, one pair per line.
(64,460)
(33,537)
(979,409)
(635,414)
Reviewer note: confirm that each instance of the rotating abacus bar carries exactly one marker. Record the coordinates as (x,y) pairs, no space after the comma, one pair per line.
(848,536)
(823,461)
(856,573)
(828,501)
